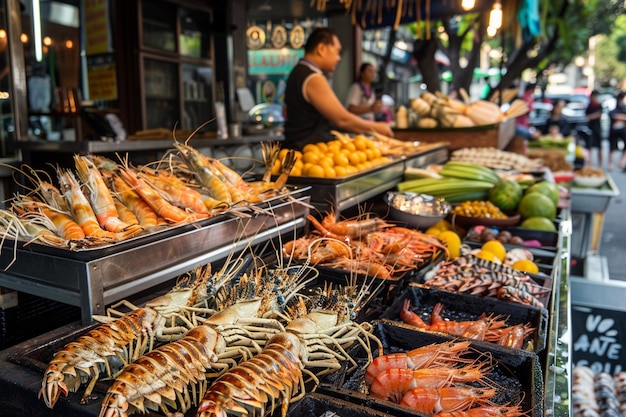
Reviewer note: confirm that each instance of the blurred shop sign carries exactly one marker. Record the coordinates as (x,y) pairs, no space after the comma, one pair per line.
(102,80)
(97,27)
(598,337)
(273,61)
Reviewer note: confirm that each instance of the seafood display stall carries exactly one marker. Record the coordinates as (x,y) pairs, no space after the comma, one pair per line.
(545,375)
(94,278)
(254,313)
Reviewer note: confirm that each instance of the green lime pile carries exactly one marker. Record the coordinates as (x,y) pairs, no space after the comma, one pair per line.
(538,206)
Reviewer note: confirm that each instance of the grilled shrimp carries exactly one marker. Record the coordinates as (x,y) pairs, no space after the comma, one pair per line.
(56,221)
(346,230)
(392,384)
(448,399)
(101,199)
(146,216)
(204,173)
(100,350)
(82,212)
(433,354)
(175,191)
(160,205)
(485,411)
(270,378)
(168,377)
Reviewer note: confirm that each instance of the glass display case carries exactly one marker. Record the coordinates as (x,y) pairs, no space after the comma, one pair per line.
(176,65)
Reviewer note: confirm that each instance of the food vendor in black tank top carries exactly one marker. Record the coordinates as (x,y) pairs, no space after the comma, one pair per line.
(312,109)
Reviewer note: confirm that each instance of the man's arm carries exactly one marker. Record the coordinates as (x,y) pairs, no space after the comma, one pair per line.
(324,99)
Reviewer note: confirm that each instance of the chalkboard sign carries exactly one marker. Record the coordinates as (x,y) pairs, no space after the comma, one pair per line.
(598,338)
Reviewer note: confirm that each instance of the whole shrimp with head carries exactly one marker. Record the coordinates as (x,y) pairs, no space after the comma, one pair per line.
(101,198)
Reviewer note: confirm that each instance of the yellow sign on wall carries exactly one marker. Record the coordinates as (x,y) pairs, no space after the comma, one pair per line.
(97,27)
(102,80)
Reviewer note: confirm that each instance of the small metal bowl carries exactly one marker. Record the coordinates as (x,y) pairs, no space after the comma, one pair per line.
(416,210)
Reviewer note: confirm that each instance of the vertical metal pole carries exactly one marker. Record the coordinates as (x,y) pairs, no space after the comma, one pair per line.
(17,70)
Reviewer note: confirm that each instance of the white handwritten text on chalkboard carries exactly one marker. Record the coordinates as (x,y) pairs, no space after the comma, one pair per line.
(597,343)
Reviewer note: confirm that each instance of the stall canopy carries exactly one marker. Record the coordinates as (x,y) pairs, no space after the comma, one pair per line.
(374,14)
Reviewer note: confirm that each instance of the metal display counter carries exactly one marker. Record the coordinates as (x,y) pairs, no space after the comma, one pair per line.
(588,206)
(92,279)
(20,366)
(339,194)
(557,369)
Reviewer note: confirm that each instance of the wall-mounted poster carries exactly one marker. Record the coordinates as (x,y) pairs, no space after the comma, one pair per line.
(101,77)
(97,28)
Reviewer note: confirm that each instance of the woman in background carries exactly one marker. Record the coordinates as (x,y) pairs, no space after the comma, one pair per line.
(362,99)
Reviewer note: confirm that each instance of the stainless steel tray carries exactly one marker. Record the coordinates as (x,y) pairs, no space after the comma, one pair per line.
(157,234)
(340,193)
(593,200)
(94,279)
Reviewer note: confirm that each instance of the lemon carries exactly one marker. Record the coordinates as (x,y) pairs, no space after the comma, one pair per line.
(314,171)
(322,146)
(349,146)
(282,153)
(433,231)
(526,265)
(312,157)
(329,171)
(452,241)
(496,247)
(341,159)
(488,256)
(341,171)
(443,225)
(354,159)
(311,147)
(360,142)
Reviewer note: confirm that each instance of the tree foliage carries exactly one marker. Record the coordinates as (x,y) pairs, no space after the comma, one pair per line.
(610,67)
(566,27)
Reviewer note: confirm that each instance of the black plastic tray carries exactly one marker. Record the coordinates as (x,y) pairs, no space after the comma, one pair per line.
(382,291)
(397,280)
(549,240)
(317,405)
(540,279)
(516,374)
(543,258)
(460,307)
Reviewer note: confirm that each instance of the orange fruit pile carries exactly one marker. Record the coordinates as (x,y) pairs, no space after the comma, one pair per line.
(338,158)
(297,166)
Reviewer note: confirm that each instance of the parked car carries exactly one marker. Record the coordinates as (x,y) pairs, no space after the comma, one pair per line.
(574,111)
(539,114)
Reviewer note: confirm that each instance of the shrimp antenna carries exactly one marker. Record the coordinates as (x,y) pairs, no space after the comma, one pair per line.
(196,130)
